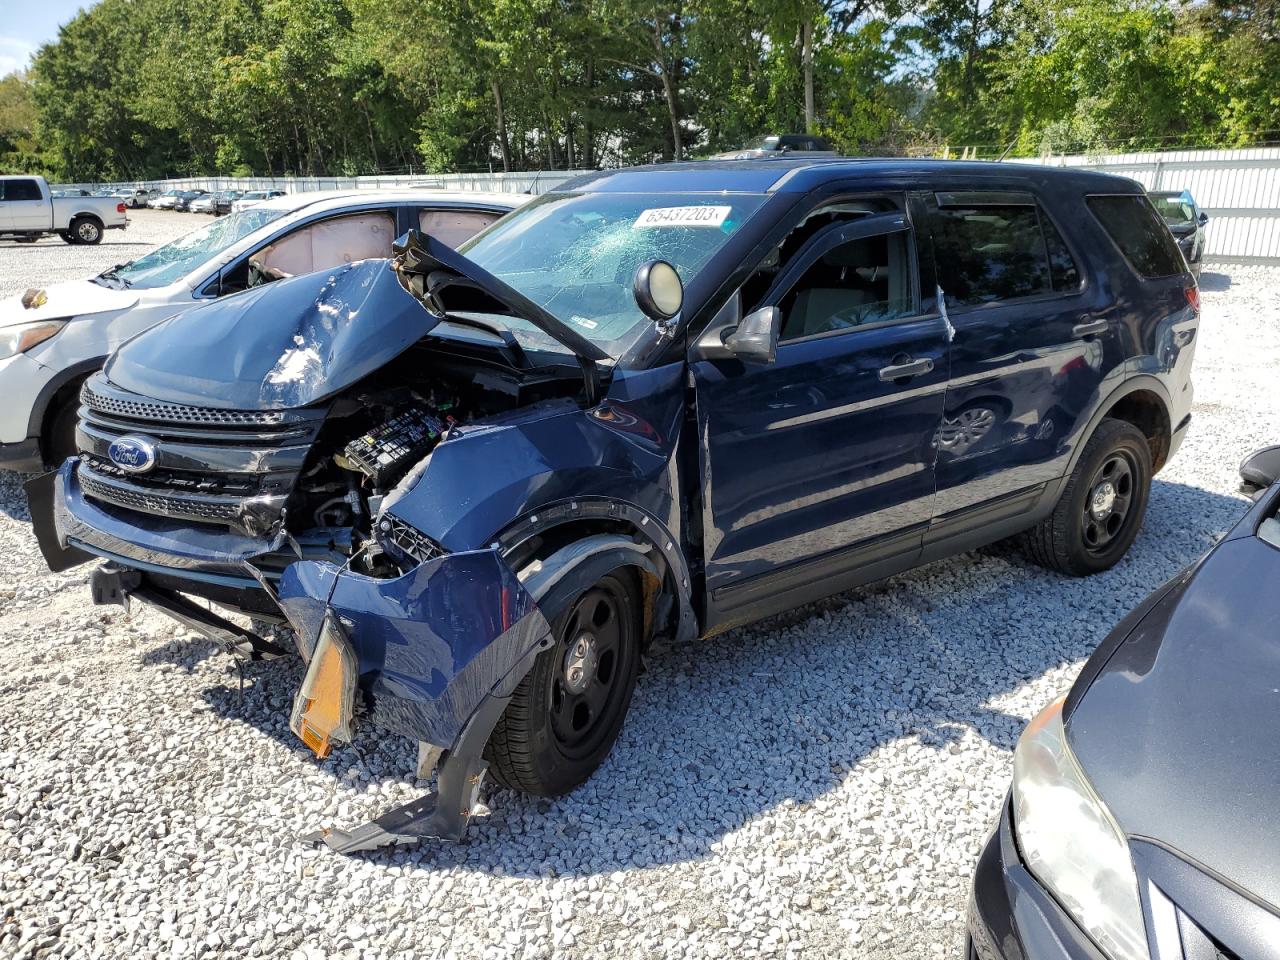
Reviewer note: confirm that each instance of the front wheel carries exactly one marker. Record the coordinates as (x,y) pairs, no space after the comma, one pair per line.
(1101,510)
(565,715)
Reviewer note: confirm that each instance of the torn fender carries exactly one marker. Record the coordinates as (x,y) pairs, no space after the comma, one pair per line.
(430,645)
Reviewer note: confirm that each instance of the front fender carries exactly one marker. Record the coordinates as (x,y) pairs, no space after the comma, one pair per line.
(430,645)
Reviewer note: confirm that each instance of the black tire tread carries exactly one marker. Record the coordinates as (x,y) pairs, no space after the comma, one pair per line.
(1048,543)
(513,761)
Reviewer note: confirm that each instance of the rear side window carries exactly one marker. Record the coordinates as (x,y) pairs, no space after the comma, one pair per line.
(1140,234)
(20,190)
(1002,251)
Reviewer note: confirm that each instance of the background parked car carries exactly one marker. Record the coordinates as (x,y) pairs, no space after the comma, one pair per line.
(204,203)
(71,192)
(136,197)
(254,197)
(69,334)
(164,201)
(1142,813)
(223,201)
(183,201)
(29,211)
(1186,222)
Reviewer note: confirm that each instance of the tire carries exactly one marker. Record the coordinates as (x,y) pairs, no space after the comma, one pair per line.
(86,230)
(551,739)
(66,236)
(60,434)
(1101,509)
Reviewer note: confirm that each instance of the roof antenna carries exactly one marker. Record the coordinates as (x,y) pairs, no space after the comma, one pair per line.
(1006,150)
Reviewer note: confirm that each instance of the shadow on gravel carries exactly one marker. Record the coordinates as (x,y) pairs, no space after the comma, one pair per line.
(1214,282)
(779,713)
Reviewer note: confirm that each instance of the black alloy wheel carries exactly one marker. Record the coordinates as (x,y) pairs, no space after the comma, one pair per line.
(567,712)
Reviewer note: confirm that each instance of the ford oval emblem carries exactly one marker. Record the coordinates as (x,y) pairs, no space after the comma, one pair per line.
(133,453)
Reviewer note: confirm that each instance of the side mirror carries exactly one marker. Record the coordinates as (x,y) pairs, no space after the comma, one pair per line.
(658,290)
(1260,470)
(1204,218)
(753,340)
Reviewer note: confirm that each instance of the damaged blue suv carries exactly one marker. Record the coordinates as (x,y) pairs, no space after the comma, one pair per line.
(659,402)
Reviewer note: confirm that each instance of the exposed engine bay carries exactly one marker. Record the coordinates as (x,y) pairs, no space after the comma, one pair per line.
(377,439)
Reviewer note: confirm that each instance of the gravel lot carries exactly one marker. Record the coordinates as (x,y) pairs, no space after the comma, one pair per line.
(816,785)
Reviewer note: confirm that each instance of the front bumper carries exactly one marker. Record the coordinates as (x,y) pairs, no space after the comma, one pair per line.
(1011,915)
(200,554)
(429,645)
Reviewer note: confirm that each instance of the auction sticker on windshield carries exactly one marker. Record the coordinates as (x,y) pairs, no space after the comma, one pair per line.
(682,217)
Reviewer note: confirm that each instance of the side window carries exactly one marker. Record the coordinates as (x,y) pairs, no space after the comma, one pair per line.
(867,280)
(987,253)
(452,227)
(21,190)
(1140,234)
(326,244)
(755,287)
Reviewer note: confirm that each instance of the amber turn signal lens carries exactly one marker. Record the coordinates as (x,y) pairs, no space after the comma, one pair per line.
(323,707)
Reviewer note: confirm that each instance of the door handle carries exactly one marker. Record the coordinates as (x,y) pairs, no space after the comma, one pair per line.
(906,370)
(1090,329)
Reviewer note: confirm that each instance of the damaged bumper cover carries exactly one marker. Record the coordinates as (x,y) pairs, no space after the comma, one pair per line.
(433,655)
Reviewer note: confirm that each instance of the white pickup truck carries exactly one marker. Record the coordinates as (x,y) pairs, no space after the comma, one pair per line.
(28,212)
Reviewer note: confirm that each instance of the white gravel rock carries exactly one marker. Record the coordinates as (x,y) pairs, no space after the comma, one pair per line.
(816,785)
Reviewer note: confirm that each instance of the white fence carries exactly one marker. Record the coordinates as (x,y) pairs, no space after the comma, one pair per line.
(1238,189)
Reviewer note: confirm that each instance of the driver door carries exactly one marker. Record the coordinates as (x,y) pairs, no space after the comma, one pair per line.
(818,468)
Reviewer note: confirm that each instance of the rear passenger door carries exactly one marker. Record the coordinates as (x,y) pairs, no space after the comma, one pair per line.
(1028,356)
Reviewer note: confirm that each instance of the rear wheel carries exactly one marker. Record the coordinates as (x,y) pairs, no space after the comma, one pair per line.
(566,714)
(1101,509)
(86,230)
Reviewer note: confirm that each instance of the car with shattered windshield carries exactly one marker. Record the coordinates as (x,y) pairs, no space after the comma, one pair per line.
(52,338)
(658,402)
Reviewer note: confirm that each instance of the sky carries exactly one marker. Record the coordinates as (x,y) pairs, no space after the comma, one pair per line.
(25,24)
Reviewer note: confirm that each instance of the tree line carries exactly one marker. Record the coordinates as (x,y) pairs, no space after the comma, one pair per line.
(140,89)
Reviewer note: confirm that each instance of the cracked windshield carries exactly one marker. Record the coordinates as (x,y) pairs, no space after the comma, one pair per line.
(576,255)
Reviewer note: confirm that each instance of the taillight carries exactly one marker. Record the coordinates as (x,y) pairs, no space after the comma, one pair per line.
(1193,297)
(120,208)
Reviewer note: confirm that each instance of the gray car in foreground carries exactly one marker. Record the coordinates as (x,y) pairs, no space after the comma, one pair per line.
(1142,819)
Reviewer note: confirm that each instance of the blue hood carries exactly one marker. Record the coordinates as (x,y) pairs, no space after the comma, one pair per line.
(288,344)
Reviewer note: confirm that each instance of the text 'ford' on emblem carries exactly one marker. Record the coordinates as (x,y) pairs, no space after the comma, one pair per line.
(133,453)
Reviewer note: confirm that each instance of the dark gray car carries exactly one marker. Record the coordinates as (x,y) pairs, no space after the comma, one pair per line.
(1186,222)
(1141,822)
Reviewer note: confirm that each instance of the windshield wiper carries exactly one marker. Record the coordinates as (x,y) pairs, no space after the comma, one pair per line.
(113,274)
